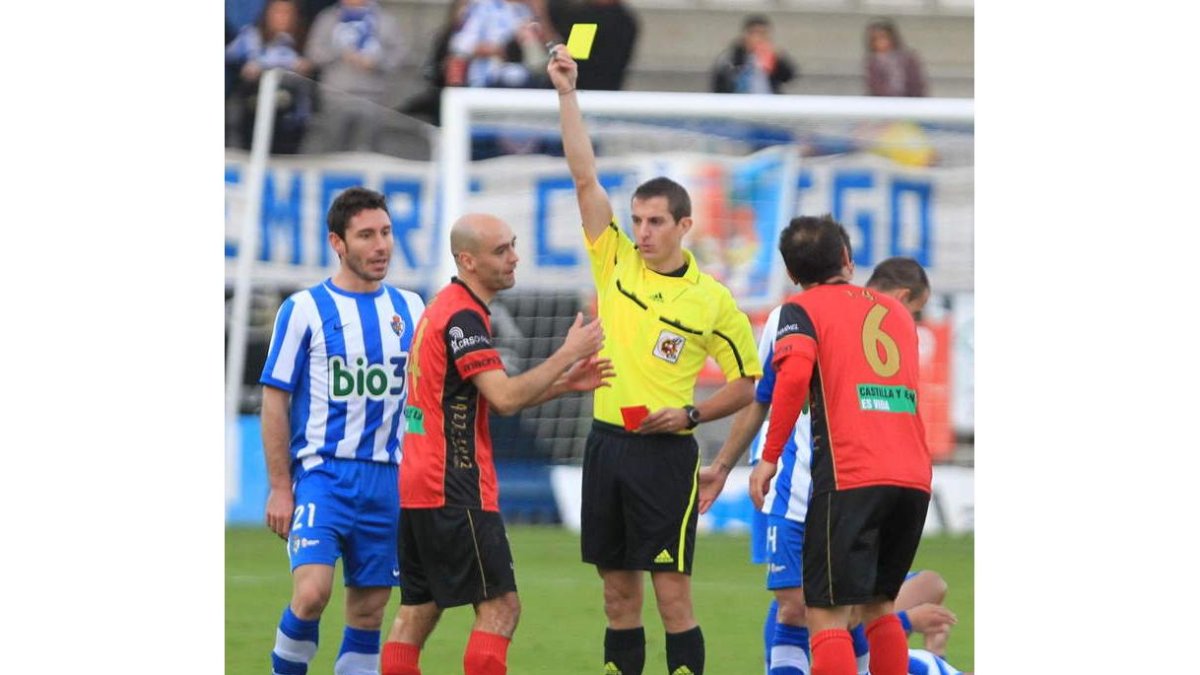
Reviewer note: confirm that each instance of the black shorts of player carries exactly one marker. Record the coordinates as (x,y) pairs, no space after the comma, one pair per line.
(639,500)
(453,556)
(859,544)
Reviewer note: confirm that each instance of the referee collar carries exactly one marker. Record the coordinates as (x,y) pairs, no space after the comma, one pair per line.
(692,273)
(460,282)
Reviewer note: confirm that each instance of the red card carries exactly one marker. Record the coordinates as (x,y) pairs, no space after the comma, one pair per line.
(633,416)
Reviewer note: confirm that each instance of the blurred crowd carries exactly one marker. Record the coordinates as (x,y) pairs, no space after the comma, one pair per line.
(355,49)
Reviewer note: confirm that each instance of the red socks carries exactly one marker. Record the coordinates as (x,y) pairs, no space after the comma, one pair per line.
(487,654)
(833,653)
(889,646)
(399,658)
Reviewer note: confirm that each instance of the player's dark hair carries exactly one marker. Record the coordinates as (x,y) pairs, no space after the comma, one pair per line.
(348,204)
(813,248)
(678,201)
(899,272)
(755,20)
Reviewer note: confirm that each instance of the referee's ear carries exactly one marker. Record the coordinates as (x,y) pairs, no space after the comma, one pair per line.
(686,223)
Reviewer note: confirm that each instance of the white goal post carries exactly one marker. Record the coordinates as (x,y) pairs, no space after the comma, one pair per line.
(459,104)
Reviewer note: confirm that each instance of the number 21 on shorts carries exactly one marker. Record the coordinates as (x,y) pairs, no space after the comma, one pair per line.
(298,522)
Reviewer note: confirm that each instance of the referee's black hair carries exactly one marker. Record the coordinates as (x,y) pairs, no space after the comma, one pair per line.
(348,204)
(814,248)
(678,201)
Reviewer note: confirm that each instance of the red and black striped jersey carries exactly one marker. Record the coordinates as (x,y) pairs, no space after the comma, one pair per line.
(447,445)
(853,353)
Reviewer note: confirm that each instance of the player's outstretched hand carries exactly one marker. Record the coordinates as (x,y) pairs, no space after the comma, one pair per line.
(279,512)
(760,482)
(712,481)
(589,374)
(583,339)
(929,618)
(562,69)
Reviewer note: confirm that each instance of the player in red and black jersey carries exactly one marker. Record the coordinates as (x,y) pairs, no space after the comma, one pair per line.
(453,549)
(852,352)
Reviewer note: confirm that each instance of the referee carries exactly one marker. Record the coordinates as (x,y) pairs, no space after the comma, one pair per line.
(663,318)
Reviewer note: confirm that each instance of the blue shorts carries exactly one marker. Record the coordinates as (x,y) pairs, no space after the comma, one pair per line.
(758,538)
(348,509)
(785,553)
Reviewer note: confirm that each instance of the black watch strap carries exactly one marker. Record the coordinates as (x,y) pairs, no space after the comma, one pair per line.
(693,416)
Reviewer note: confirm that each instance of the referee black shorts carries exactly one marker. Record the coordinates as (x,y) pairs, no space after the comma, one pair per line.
(859,544)
(453,556)
(639,500)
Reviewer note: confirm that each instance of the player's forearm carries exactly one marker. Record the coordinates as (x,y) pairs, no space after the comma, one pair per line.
(275,434)
(730,398)
(577,145)
(532,386)
(595,211)
(554,391)
(745,425)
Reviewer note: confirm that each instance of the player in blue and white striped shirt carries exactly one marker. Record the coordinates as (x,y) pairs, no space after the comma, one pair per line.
(332,426)
(777,532)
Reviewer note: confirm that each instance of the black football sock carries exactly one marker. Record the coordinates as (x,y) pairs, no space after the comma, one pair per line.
(685,652)
(624,651)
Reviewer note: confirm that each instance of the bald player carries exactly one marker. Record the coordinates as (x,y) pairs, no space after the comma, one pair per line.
(452,547)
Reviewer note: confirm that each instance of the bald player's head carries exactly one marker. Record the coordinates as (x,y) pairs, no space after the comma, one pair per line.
(484,248)
(466,231)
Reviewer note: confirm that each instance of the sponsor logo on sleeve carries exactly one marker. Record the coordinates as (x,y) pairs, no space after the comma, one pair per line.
(459,341)
(789,329)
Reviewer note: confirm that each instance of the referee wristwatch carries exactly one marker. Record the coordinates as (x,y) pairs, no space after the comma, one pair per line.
(693,416)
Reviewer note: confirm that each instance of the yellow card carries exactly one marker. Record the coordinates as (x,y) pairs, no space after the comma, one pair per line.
(579,42)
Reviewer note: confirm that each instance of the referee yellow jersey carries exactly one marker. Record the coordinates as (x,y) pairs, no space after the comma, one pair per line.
(658,329)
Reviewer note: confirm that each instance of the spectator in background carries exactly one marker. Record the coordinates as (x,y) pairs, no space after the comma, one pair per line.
(752,64)
(274,41)
(427,104)
(357,47)
(891,68)
(616,35)
(501,43)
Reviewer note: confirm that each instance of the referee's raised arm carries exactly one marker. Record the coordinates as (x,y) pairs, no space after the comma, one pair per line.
(594,207)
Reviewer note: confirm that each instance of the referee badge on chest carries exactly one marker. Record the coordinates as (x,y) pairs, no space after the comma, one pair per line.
(669,346)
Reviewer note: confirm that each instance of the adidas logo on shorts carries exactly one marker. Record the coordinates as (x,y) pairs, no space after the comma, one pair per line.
(664,558)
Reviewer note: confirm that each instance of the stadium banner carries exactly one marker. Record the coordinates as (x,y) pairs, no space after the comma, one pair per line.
(951,508)
(739,206)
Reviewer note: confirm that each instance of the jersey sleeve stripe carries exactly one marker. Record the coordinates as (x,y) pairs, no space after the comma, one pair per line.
(765,390)
(733,347)
(766,351)
(279,344)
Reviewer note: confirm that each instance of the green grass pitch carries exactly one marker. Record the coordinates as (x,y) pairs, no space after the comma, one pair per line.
(562,618)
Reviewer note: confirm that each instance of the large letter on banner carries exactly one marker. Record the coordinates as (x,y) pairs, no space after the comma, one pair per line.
(845,182)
